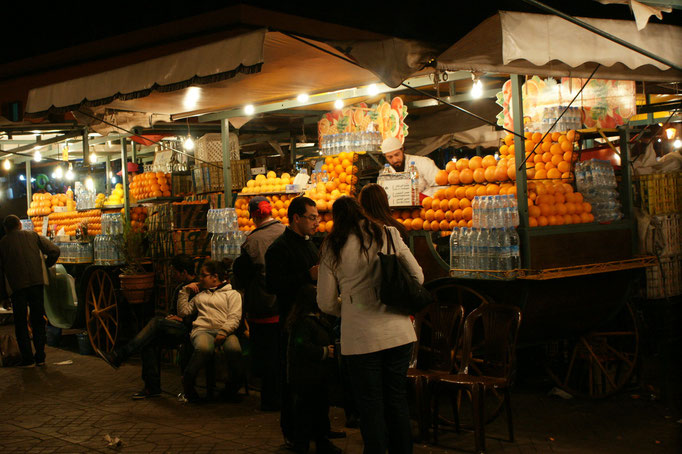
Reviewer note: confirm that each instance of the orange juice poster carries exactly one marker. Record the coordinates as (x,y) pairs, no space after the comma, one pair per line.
(386,117)
(602,104)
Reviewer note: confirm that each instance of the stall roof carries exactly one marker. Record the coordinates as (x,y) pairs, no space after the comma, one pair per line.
(545,45)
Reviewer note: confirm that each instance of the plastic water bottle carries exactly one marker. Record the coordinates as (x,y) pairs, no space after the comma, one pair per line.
(465,249)
(455,249)
(495,214)
(505,250)
(515,249)
(514,210)
(476,212)
(386,170)
(484,249)
(414,181)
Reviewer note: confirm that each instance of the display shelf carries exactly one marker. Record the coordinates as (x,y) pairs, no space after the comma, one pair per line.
(593,268)
(160,200)
(253,194)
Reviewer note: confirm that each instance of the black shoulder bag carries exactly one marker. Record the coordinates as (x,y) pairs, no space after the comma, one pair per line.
(399,290)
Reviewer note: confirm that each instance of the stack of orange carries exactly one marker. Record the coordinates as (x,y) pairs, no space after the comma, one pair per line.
(70,220)
(553,157)
(449,207)
(342,176)
(280,204)
(43,204)
(555,203)
(150,185)
(137,218)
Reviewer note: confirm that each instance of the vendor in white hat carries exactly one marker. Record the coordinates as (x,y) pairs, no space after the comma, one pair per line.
(399,161)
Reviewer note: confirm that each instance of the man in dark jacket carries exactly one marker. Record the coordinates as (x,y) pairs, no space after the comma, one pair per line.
(291,261)
(24,259)
(260,306)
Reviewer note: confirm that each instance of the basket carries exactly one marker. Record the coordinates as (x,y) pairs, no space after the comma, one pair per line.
(664,281)
(659,193)
(209,178)
(209,148)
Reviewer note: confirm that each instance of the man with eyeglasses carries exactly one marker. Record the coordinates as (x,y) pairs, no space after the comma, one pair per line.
(291,261)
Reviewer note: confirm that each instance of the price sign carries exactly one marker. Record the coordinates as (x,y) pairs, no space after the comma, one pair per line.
(398,188)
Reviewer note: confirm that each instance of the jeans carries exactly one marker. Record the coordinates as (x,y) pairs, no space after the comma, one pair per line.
(265,342)
(29,297)
(203,341)
(159,332)
(380,387)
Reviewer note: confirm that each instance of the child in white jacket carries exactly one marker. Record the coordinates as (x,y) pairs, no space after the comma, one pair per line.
(219,311)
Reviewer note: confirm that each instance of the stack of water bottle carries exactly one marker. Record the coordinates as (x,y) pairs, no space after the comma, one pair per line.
(570,120)
(75,252)
(227,240)
(491,244)
(332,144)
(106,245)
(596,180)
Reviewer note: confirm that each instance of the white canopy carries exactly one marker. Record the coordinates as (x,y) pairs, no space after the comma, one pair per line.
(545,45)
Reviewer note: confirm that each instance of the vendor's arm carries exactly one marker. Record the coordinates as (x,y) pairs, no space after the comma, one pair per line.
(234,307)
(327,290)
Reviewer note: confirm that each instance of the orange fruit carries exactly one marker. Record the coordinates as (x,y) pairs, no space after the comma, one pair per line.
(501,173)
(435,226)
(457,214)
(489,161)
(450,192)
(557,158)
(576,219)
(563,166)
(587,207)
(540,166)
(444,225)
(546,146)
(444,205)
(470,192)
(450,166)
(466,176)
(426,225)
(555,136)
(461,192)
(479,175)
(462,164)
(442,178)
(540,175)
(489,174)
(536,137)
(435,204)
(449,216)
(529,145)
(438,215)
(467,213)
(440,194)
(532,222)
(481,190)
(453,203)
(426,202)
(430,215)
(570,135)
(504,150)
(417,224)
(566,146)
(556,149)
(549,165)
(464,203)
(453,224)
(511,173)
(547,157)
(553,173)
(453,177)
(509,139)
(543,221)
(559,197)
(475,163)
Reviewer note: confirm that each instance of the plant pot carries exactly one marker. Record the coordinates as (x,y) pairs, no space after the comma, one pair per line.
(137,287)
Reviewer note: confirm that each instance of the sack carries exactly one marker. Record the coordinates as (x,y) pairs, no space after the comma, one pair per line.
(9,351)
(400,291)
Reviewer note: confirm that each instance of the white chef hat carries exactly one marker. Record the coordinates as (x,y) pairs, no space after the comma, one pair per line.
(391,144)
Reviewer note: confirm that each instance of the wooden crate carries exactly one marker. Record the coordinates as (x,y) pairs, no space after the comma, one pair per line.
(190,215)
(196,243)
(181,184)
(210,148)
(209,178)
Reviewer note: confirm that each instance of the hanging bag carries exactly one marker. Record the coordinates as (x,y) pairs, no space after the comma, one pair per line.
(400,291)
(9,351)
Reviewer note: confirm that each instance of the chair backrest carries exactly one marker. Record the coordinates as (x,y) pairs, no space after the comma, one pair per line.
(489,340)
(439,326)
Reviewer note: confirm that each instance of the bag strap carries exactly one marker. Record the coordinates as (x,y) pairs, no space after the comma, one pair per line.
(389,241)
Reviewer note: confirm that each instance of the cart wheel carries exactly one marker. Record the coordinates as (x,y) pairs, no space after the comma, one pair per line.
(597,364)
(101,311)
(445,289)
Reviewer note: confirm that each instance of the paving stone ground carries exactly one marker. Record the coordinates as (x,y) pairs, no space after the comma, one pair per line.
(71,408)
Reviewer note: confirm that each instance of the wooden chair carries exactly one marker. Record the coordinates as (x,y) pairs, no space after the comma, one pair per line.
(439,329)
(488,352)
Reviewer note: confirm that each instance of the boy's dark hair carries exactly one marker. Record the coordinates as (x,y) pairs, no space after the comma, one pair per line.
(221,268)
(304,304)
(298,206)
(184,262)
(12,223)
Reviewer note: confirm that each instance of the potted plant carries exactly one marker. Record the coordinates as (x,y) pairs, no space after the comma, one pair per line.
(136,282)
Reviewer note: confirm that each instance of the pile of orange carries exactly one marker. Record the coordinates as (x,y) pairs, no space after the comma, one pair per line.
(137,218)
(555,203)
(280,205)
(267,183)
(70,220)
(342,180)
(450,207)
(43,204)
(150,185)
(551,155)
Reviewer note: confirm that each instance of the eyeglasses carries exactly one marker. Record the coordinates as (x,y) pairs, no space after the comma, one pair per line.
(312,217)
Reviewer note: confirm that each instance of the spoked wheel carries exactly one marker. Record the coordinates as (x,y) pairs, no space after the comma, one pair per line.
(599,363)
(101,311)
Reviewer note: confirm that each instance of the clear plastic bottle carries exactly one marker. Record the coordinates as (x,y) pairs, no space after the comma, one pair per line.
(414,180)
(514,242)
(455,249)
(465,248)
(484,251)
(386,170)
(505,260)
(476,211)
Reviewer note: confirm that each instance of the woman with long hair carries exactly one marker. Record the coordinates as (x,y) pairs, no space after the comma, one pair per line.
(376,342)
(374,201)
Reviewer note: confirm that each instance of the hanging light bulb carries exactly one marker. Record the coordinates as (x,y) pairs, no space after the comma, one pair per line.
(188,144)
(58,173)
(677,143)
(303,97)
(113,180)
(373,90)
(249,109)
(7,165)
(89,184)
(37,156)
(92,158)
(477,87)
(670,133)
(338,104)
(69,173)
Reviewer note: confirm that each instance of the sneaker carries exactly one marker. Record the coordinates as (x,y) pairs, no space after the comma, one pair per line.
(145,393)
(26,364)
(111,358)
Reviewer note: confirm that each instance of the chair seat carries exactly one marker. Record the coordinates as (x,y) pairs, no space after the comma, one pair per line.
(415,373)
(464,379)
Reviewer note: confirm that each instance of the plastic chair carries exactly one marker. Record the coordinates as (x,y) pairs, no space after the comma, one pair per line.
(488,352)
